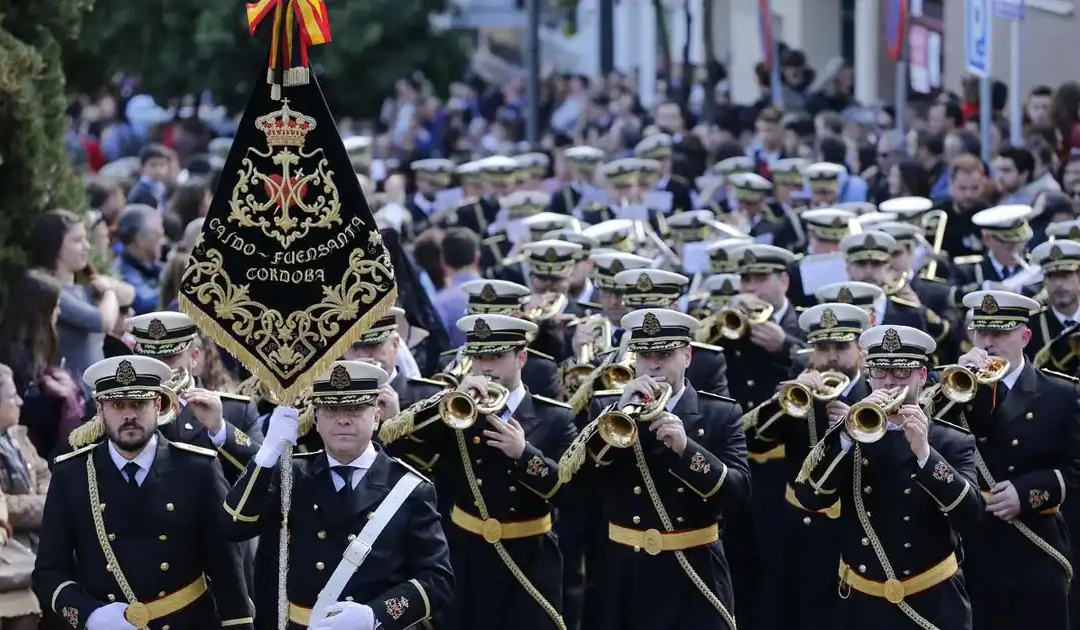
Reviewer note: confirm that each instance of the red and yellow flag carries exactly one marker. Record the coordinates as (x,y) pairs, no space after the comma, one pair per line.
(314,21)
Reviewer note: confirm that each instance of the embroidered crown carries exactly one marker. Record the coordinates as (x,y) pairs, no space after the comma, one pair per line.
(285,127)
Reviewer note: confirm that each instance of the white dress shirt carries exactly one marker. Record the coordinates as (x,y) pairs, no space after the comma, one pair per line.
(778,314)
(1009,380)
(1062,317)
(675,398)
(144,459)
(360,466)
(513,401)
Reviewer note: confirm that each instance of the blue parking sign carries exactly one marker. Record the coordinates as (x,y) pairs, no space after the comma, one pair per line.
(978,30)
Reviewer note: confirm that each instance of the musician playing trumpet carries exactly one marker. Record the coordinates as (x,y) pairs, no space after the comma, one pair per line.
(908,490)
(660,467)
(497,464)
(1028,450)
(803,545)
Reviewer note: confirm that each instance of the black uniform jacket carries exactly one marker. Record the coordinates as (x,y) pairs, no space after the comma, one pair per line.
(1048,330)
(969,272)
(1030,438)
(708,370)
(488,595)
(405,579)
(565,200)
(243,433)
(916,514)
(540,374)
(166,535)
(475,214)
(695,490)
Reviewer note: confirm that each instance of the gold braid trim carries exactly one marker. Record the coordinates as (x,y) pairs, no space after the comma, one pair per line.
(575,454)
(580,400)
(404,423)
(812,461)
(250,387)
(87,433)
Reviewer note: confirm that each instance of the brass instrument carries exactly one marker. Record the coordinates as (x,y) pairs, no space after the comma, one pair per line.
(645,234)
(551,304)
(453,373)
(616,374)
(460,410)
(618,428)
(896,286)
(939,219)
(960,384)
(796,399)
(735,322)
(179,381)
(867,422)
(583,369)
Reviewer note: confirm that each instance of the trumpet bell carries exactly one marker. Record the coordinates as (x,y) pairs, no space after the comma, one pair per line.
(958,383)
(617,429)
(994,371)
(732,323)
(458,411)
(795,400)
(616,375)
(170,406)
(867,422)
(835,383)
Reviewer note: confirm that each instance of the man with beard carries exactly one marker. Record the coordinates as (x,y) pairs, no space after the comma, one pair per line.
(967,177)
(130,534)
(1052,343)
(908,490)
(803,569)
(1005,233)
(1028,459)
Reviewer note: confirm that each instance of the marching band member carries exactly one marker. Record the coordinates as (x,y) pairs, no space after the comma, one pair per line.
(761,218)
(935,293)
(550,265)
(508,233)
(1028,458)
(823,180)
(497,173)
(787,175)
(581,285)
(723,200)
(606,265)
(622,186)
(502,475)
(353,506)
(658,147)
(130,535)
(1005,233)
(802,570)
(722,257)
(908,490)
(581,165)
(826,227)
(881,308)
(662,485)
(533,168)
(431,176)
(1052,344)
(720,291)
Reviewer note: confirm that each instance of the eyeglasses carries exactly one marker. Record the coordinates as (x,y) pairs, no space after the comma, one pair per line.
(897,373)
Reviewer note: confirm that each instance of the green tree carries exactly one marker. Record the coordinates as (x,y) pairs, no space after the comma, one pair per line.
(35,169)
(187,46)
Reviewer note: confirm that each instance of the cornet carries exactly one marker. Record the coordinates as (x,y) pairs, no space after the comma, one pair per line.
(551,304)
(460,410)
(618,428)
(179,381)
(960,384)
(796,400)
(617,374)
(867,422)
(453,373)
(734,323)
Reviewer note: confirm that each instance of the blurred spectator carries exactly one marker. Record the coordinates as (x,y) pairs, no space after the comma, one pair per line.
(461,264)
(155,169)
(141,233)
(190,201)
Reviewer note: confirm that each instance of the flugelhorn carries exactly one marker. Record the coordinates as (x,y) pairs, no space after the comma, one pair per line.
(867,422)
(616,374)
(960,384)
(459,410)
(551,304)
(796,399)
(618,428)
(179,381)
(734,323)
(453,372)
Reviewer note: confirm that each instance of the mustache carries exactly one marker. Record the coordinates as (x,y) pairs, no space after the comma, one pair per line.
(129,424)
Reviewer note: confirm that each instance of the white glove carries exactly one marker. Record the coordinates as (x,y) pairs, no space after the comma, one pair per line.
(346,616)
(283,429)
(109,617)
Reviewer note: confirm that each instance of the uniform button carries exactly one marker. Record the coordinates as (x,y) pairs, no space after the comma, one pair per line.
(865,462)
(679,519)
(907,572)
(352,537)
(371,515)
(912,475)
(637,519)
(637,489)
(738,353)
(862,568)
(1029,415)
(112,598)
(169,507)
(907,490)
(680,489)
(479,461)
(750,404)
(513,488)
(867,490)
(806,520)
(112,536)
(479,482)
(1011,468)
(749,383)
(700,432)
(637,549)
(349,598)
(868,514)
(163,537)
(322,535)
(165,627)
(1015,442)
(476,440)
(907,518)
(164,566)
(865,542)
(907,545)
(982,439)
(320,566)
(513,509)
(161,594)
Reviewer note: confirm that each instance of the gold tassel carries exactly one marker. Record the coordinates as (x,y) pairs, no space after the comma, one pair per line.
(398,427)
(250,387)
(574,457)
(812,461)
(87,433)
(1043,355)
(307,417)
(580,400)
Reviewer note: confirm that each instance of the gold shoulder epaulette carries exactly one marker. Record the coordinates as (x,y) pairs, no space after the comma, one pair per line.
(1071,379)
(973,259)
(551,401)
(798,257)
(537,353)
(608,392)
(232,396)
(903,302)
(426,381)
(446,353)
(306,454)
(591,305)
(411,469)
(191,448)
(87,433)
(75,453)
(924,276)
(717,397)
(951,425)
(706,346)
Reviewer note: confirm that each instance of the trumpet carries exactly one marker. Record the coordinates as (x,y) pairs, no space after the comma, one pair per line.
(583,369)
(959,384)
(937,219)
(618,428)
(617,374)
(796,399)
(866,422)
(551,304)
(897,285)
(460,410)
(734,323)
(453,373)
(178,382)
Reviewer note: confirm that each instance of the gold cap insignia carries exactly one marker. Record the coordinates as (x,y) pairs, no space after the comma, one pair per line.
(616,266)
(989,305)
(828,319)
(487,294)
(727,287)
(339,377)
(1074,233)
(891,342)
(644,283)
(156,329)
(650,325)
(720,255)
(481,330)
(551,255)
(844,296)
(1056,253)
(748,257)
(125,373)
(870,242)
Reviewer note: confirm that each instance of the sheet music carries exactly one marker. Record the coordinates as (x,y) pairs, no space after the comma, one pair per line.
(695,258)
(447,199)
(634,212)
(818,270)
(659,200)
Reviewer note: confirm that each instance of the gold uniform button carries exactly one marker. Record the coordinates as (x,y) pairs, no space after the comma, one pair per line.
(479,482)
(700,432)
(321,535)
(112,598)
(806,520)
(680,489)
(865,462)
(867,490)
(165,627)
(164,566)
(112,536)
(749,383)
(637,489)
(679,519)
(352,537)
(1011,468)
(636,519)
(163,537)
(320,566)
(907,545)
(738,353)
(170,507)
(862,568)
(981,439)
(1029,415)
(476,440)
(1015,442)
(513,488)
(865,542)
(907,518)
(479,461)
(907,572)
(907,490)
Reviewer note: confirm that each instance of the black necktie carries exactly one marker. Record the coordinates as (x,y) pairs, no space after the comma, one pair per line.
(345,472)
(130,469)
(1068,323)
(1006,272)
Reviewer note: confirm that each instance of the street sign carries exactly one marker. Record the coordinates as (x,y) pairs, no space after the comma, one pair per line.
(766,27)
(1012,10)
(896,26)
(978,30)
